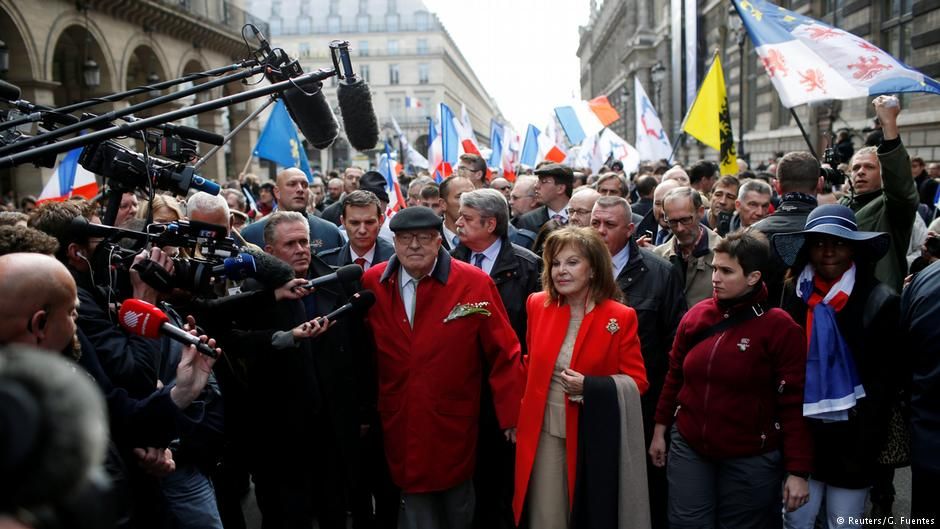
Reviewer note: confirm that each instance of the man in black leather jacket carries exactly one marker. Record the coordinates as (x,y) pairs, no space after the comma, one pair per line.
(798,181)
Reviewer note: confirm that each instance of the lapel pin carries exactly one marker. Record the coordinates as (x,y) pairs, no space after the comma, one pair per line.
(612,326)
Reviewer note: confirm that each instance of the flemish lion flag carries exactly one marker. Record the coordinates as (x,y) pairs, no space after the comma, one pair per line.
(708,120)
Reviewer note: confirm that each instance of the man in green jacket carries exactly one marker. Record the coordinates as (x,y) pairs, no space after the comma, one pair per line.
(884,197)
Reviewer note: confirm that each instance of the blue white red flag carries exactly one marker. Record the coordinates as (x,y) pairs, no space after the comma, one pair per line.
(395,199)
(652,143)
(808,60)
(69,179)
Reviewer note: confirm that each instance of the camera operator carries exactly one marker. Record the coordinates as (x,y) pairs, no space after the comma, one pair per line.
(132,362)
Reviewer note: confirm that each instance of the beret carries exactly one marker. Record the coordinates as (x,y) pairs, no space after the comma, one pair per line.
(375,182)
(415,218)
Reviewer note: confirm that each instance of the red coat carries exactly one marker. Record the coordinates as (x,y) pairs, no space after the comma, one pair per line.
(607,344)
(430,375)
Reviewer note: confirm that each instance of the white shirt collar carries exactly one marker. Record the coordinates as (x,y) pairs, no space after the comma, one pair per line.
(620,260)
(563,212)
(449,236)
(489,254)
(404,277)
(368,256)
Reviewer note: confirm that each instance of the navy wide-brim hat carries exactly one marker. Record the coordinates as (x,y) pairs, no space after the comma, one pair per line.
(835,220)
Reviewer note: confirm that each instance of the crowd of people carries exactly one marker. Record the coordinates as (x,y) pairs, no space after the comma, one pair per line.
(668,348)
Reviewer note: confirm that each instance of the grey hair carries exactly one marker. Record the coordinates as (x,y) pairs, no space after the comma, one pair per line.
(420,182)
(490,203)
(278,218)
(687,192)
(207,204)
(759,186)
(615,202)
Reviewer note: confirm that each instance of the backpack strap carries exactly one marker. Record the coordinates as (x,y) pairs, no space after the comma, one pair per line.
(755,311)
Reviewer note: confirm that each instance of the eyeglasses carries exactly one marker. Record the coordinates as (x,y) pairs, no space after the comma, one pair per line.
(502,188)
(685,221)
(407,238)
(579,212)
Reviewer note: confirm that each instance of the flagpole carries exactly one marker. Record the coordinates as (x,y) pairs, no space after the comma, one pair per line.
(202,161)
(675,146)
(805,135)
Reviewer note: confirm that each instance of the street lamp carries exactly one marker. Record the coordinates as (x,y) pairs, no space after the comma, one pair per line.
(658,75)
(91,73)
(737,27)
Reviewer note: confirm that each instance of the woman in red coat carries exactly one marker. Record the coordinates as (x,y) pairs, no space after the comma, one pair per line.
(576,328)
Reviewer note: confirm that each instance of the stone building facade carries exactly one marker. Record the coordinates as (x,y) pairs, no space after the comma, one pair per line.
(633,38)
(133,44)
(400,48)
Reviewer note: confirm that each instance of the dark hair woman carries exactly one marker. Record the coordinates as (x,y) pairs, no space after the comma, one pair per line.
(577,330)
(733,395)
(851,325)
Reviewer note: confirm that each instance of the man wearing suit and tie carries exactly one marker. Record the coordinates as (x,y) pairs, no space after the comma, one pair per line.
(362,217)
(451,189)
(556,183)
(483,228)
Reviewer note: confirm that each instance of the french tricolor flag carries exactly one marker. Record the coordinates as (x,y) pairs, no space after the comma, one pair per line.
(69,179)
(395,199)
(585,118)
(412,102)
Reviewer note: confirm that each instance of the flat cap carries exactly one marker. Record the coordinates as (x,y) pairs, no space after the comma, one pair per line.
(415,218)
(375,182)
(561,173)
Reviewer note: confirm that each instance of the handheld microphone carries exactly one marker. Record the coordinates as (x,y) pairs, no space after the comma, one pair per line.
(236,268)
(143,319)
(345,274)
(359,302)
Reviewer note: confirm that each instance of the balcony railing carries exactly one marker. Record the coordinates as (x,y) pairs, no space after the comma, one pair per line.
(293,27)
(372,53)
(231,16)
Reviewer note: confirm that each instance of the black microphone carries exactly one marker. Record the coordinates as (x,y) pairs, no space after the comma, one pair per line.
(271,272)
(194,134)
(345,274)
(8,91)
(313,115)
(359,302)
(143,319)
(355,105)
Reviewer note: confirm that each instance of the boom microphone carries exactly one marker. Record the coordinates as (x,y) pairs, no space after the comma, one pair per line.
(355,105)
(359,302)
(313,115)
(272,273)
(8,91)
(143,319)
(345,274)
(194,134)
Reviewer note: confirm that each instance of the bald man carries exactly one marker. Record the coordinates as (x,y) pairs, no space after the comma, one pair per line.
(678,174)
(291,193)
(580,206)
(39,303)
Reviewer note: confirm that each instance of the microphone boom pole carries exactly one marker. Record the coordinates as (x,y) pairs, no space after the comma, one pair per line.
(251,117)
(125,129)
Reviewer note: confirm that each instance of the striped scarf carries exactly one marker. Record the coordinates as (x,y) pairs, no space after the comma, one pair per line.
(832,383)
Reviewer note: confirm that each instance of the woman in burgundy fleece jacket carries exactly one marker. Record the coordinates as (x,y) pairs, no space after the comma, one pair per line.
(736,398)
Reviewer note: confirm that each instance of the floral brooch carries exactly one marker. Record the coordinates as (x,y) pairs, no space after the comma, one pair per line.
(612,326)
(462,310)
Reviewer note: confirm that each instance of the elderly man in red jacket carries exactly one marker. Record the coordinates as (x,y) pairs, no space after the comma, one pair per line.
(435,321)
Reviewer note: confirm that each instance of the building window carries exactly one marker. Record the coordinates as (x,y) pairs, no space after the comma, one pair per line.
(392,6)
(896,18)
(392,74)
(363,48)
(422,21)
(364,72)
(422,47)
(303,50)
(396,107)
(423,73)
(392,47)
(749,70)
(276,25)
(333,24)
(363,6)
(304,25)
(334,6)
(391,23)
(425,105)
(362,23)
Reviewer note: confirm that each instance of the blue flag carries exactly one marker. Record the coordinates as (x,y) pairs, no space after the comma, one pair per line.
(280,143)
(496,144)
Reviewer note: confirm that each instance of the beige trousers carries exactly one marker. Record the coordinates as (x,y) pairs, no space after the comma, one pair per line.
(548,485)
